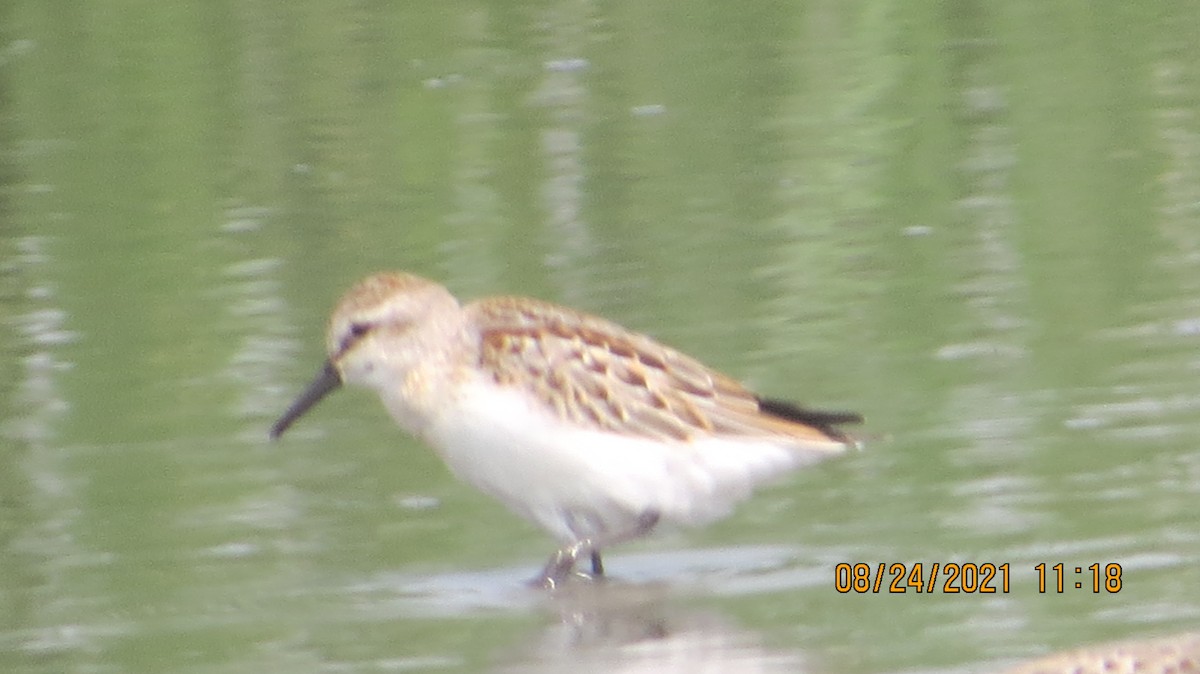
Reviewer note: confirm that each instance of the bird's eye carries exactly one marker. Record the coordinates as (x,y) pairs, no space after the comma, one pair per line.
(357,331)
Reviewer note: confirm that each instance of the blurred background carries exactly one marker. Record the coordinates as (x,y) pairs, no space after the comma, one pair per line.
(977,223)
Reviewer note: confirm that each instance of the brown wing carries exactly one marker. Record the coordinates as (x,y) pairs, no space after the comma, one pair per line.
(594,372)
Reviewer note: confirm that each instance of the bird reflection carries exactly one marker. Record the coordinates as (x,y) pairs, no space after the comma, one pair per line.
(624,627)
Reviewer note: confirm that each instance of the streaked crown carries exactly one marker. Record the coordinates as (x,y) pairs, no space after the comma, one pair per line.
(390,302)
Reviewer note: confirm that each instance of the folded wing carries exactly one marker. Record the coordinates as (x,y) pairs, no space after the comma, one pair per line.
(592,372)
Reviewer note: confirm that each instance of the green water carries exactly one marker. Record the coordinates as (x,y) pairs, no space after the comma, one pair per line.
(976,223)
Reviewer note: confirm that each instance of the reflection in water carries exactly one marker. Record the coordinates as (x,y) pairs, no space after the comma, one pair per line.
(41,500)
(43,329)
(613,626)
(644,620)
(733,571)
(257,314)
(564,94)
(634,628)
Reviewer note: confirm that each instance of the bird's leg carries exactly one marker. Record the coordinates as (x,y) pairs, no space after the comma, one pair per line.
(562,563)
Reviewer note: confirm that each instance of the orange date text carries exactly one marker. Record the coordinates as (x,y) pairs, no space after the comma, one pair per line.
(920,577)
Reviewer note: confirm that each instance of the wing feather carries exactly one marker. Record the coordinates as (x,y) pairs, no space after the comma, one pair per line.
(590,371)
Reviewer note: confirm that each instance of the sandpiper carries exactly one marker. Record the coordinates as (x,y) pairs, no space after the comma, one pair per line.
(589,430)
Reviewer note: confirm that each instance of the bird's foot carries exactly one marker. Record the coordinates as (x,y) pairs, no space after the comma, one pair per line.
(561,566)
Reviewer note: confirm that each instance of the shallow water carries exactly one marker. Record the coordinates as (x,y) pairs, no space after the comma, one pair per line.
(977,225)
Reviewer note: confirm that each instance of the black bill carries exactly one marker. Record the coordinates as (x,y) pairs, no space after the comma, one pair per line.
(325,381)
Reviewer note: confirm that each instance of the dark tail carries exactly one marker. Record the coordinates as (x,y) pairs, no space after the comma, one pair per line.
(824,421)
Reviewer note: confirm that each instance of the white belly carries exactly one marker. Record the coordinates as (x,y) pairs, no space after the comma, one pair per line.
(579,483)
